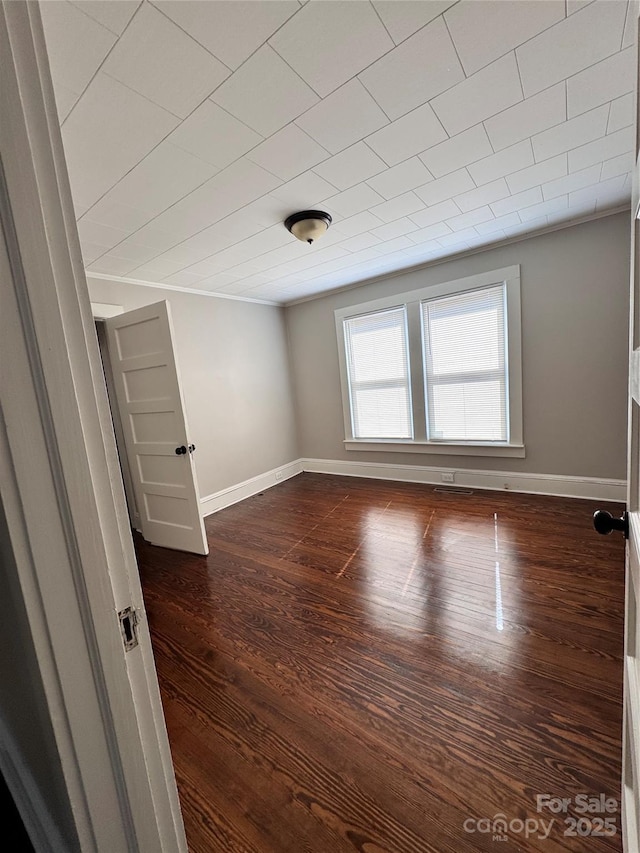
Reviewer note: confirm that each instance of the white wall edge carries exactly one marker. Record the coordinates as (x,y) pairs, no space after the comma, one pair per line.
(235,494)
(591,488)
(39,824)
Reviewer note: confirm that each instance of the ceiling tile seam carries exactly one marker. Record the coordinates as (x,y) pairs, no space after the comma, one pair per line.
(538,163)
(350,80)
(298,174)
(577,74)
(512,49)
(557,23)
(377,14)
(617,130)
(373,97)
(418,154)
(515,57)
(424,103)
(459,83)
(484,127)
(528,205)
(429,207)
(358,73)
(244,61)
(559,124)
(140,95)
(193,39)
(522,101)
(100,24)
(606,132)
(366,68)
(297,74)
(362,71)
(614,52)
(97,71)
(609,132)
(455,46)
(624,25)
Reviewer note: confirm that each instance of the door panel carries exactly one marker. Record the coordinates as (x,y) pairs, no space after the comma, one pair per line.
(631,725)
(154,423)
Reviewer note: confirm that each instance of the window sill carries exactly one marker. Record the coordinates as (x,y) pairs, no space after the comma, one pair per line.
(449,448)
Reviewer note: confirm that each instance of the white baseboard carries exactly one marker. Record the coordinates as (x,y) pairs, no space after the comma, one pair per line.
(234,494)
(41,828)
(592,488)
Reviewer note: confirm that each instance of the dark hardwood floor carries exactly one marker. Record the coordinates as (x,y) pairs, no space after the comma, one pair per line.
(370,666)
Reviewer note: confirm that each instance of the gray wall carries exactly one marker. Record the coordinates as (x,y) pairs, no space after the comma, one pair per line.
(23,708)
(575,300)
(234,365)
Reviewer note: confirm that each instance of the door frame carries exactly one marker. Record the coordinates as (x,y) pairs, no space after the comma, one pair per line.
(62,491)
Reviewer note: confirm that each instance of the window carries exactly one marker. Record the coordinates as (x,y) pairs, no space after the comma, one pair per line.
(378,368)
(437,370)
(464,339)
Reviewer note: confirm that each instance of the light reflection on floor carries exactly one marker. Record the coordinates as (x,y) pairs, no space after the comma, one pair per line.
(451,578)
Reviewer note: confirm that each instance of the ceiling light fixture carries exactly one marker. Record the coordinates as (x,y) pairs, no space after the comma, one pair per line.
(308,225)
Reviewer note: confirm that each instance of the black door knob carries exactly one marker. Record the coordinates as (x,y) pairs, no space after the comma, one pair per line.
(180,450)
(606,523)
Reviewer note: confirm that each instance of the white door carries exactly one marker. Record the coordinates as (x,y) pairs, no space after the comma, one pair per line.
(631,716)
(151,407)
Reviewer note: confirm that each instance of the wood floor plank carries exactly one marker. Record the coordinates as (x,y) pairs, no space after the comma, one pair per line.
(364,666)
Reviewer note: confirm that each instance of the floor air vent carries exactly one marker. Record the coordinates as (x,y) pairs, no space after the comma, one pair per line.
(453,491)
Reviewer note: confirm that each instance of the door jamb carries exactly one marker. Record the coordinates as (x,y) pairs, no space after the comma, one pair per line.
(60,486)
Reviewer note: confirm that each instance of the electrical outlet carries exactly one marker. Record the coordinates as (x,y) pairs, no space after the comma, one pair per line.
(278,475)
(447,478)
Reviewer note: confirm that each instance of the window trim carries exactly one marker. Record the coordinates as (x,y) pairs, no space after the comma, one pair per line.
(510,277)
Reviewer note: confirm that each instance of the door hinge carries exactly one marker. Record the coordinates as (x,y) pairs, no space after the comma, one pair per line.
(129,628)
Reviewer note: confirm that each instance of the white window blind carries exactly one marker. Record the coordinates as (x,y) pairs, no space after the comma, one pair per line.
(378,374)
(464,343)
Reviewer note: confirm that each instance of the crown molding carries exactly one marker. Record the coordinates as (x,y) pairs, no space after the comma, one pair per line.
(192,290)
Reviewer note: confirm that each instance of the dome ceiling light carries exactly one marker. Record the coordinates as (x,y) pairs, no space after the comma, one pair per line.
(308,225)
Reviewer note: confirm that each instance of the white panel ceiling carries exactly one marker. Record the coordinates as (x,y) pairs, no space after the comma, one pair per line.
(193,128)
